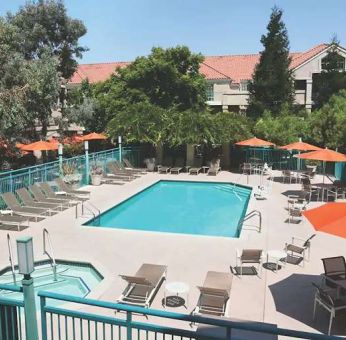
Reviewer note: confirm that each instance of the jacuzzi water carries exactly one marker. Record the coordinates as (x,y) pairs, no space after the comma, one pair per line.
(72,278)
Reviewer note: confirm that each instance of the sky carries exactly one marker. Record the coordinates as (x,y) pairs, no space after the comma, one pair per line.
(121,30)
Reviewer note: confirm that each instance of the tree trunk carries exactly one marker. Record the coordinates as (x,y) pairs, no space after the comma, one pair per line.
(159,153)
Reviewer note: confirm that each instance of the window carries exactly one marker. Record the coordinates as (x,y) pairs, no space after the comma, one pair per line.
(244,84)
(300,84)
(210,92)
(333,61)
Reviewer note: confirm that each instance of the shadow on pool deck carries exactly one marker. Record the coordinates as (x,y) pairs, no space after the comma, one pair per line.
(294,297)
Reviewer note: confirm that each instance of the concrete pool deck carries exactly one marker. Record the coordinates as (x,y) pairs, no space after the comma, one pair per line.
(283,298)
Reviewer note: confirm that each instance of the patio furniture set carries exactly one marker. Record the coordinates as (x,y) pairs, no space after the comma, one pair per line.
(297,249)
(143,286)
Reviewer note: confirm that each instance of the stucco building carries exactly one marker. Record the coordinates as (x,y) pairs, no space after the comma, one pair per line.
(228,76)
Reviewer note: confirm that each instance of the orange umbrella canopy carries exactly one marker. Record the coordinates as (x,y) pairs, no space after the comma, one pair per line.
(324,155)
(40,146)
(94,136)
(255,142)
(300,146)
(329,218)
(73,139)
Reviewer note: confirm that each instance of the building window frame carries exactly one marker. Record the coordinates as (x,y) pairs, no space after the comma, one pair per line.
(210,92)
(244,85)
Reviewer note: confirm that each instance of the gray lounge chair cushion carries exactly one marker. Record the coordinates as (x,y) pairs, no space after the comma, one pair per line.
(152,272)
(218,280)
(251,255)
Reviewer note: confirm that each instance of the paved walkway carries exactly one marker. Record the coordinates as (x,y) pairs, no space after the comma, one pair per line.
(283,298)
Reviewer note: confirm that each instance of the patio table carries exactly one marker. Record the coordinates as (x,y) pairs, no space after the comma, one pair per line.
(177,288)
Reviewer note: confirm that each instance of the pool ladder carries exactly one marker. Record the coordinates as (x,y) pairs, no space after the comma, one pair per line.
(50,253)
(10,257)
(91,208)
(251,214)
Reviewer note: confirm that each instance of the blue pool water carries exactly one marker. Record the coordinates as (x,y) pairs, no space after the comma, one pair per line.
(198,208)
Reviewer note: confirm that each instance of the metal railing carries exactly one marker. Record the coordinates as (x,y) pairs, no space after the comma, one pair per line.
(10,257)
(10,181)
(62,323)
(50,254)
(92,209)
(251,214)
(12,320)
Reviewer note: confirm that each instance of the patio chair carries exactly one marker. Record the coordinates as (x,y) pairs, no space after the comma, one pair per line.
(28,201)
(197,168)
(214,168)
(249,256)
(47,189)
(40,197)
(294,214)
(247,168)
(214,294)
(179,166)
(298,248)
(329,300)
(14,220)
(298,201)
(334,270)
(335,193)
(64,187)
(143,286)
(287,175)
(13,204)
(129,166)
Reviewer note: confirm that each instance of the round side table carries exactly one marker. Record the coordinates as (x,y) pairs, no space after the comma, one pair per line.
(177,288)
(277,256)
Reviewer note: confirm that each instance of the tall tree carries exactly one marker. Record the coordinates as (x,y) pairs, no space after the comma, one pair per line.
(327,125)
(272,84)
(332,77)
(166,78)
(44,25)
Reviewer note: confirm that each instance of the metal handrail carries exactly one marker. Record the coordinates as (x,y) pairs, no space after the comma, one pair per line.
(10,257)
(46,238)
(220,322)
(91,208)
(248,216)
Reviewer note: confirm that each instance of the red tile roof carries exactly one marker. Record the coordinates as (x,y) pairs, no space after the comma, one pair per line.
(232,67)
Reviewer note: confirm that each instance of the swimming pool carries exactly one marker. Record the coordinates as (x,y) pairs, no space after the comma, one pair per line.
(73,278)
(198,208)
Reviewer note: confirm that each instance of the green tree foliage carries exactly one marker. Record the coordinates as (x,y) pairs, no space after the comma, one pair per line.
(332,77)
(141,122)
(167,78)
(328,124)
(44,25)
(272,84)
(43,90)
(286,128)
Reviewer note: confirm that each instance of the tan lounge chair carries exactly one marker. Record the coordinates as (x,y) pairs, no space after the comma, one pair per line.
(46,188)
(179,166)
(40,197)
(114,172)
(121,169)
(214,294)
(28,201)
(13,204)
(64,187)
(143,286)
(197,168)
(15,220)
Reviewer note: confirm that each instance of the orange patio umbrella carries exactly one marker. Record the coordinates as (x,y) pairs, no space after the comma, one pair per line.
(40,146)
(73,139)
(324,155)
(94,136)
(329,218)
(255,142)
(300,146)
